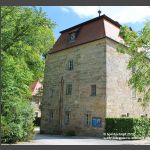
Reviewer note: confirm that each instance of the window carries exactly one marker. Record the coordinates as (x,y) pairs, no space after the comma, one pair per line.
(144,116)
(67,117)
(51,92)
(93,90)
(51,115)
(72,37)
(70,65)
(139,99)
(87,119)
(37,101)
(128,114)
(68,89)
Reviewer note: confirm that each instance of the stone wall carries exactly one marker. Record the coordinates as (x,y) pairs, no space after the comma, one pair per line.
(120,99)
(95,63)
(89,68)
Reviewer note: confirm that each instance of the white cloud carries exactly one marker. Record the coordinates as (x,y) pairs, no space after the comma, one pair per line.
(122,14)
(65,9)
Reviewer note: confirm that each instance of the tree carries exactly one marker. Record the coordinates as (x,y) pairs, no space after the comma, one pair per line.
(27,35)
(137,46)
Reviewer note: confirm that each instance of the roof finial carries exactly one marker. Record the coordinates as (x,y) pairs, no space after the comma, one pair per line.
(99,12)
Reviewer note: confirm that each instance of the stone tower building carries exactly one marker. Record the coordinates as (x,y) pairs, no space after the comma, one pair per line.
(86,80)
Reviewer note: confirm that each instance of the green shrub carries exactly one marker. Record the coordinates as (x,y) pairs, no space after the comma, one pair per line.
(127,127)
(17,122)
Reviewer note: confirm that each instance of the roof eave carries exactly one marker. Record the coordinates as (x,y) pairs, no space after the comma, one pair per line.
(52,52)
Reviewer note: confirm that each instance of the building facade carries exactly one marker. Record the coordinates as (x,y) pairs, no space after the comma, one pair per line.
(36,88)
(86,80)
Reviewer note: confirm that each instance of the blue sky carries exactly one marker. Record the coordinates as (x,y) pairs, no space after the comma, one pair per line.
(67,16)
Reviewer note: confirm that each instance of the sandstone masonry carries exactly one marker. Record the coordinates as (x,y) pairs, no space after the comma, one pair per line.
(86,81)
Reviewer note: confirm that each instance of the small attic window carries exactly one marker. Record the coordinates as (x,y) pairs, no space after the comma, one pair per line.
(72,37)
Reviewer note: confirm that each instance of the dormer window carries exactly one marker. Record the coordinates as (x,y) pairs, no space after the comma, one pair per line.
(72,37)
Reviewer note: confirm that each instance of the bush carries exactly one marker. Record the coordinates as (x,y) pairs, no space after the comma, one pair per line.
(128,127)
(17,122)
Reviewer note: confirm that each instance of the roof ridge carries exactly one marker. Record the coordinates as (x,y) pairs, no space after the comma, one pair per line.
(91,20)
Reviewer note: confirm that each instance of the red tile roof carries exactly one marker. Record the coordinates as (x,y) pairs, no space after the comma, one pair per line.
(88,31)
(35,86)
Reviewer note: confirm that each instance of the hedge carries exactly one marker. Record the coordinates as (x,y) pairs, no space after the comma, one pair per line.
(127,127)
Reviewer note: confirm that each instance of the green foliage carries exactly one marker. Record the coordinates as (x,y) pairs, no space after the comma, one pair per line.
(27,35)
(17,122)
(137,46)
(133,127)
